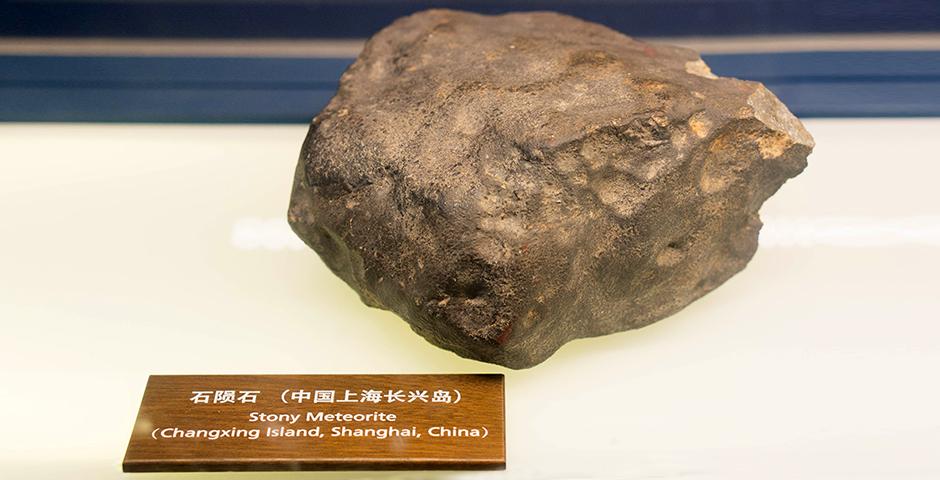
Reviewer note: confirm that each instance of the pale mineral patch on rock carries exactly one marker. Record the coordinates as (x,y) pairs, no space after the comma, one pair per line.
(698,67)
(700,124)
(509,183)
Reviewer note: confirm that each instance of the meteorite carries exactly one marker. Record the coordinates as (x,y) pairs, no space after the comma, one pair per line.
(509,183)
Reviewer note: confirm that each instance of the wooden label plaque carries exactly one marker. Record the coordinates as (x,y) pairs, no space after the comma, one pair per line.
(319,422)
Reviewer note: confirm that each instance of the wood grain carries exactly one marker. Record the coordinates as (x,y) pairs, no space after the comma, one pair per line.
(180,415)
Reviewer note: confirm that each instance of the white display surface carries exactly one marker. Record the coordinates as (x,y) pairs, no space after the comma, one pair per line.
(137,250)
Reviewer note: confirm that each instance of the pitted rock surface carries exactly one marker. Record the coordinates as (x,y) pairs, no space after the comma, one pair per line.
(509,183)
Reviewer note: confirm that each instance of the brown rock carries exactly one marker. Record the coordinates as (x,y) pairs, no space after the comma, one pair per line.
(509,183)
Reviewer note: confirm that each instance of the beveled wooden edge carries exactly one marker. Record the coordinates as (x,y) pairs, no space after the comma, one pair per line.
(222,375)
(292,464)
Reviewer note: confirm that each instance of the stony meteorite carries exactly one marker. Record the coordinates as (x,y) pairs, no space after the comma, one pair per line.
(509,183)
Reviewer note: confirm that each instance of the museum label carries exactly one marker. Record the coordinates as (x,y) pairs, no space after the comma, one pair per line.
(319,422)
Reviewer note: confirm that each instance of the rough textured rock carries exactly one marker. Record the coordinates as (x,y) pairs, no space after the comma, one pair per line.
(509,183)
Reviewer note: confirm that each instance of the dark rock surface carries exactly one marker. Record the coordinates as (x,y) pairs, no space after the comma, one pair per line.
(509,183)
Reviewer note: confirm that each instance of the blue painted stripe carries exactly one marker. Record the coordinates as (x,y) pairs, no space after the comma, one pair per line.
(292,90)
(171,70)
(362,18)
(885,64)
(860,98)
(162,105)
